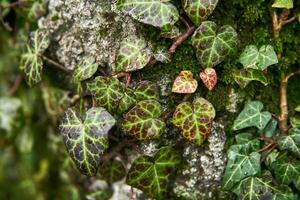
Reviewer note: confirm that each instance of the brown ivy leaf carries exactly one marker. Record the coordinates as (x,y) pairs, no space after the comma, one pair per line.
(209,78)
(185,83)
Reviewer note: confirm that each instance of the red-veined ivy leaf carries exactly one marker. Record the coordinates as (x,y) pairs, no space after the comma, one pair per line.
(213,44)
(209,78)
(134,54)
(244,77)
(157,13)
(258,59)
(31,62)
(290,142)
(185,83)
(8,112)
(107,91)
(151,174)
(256,188)
(288,4)
(285,169)
(194,120)
(240,165)
(199,10)
(112,171)
(86,68)
(86,137)
(252,116)
(143,121)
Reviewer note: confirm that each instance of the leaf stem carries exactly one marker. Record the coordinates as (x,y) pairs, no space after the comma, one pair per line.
(56,64)
(16,85)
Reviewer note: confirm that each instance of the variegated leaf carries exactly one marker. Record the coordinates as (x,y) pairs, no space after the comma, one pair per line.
(152,174)
(157,13)
(185,83)
(86,68)
(209,78)
(288,4)
(134,54)
(143,121)
(199,10)
(290,142)
(194,120)
(258,59)
(86,137)
(244,77)
(112,171)
(213,44)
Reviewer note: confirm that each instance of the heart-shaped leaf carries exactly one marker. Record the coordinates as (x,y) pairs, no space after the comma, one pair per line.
(185,83)
(209,78)
(86,68)
(213,44)
(290,142)
(107,91)
(246,143)
(295,122)
(151,174)
(239,166)
(143,122)
(244,77)
(112,171)
(86,138)
(252,116)
(199,10)
(31,62)
(134,54)
(8,112)
(157,13)
(258,59)
(194,120)
(288,4)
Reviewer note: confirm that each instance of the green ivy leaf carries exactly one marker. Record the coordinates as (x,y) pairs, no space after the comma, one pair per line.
(239,166)
(271,128)
(31,62)
(213,44)
(112,171)
(86,68)
(151,174)
(107,91)
(8,112)
(295,122)
(246,143)
(258,59)
(252,116)
(185,83)
(290,142)
(134,54)
(143,122)
(244,77)
(199,10)
(86,138)
(194,120)
(285,169)
(127,101)
(288,4)
(157,13)
(297,108)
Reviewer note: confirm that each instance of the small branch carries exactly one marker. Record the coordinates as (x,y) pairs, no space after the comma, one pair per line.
(279,22)
(120,75)
(16,85)
(56,64)
(289,20)
(128,79)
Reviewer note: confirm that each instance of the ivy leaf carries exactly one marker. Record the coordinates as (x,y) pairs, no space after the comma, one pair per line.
(154,12)
(172,32)
(127,101)
(151,174)
(86,68)
(185,83)
(8,112)
(246,143)
(143,121)
(86,138)
(209,78)
(107,91)
(270,129)
(285,169)
(199,10)
(295,122)
(244,77)
(297,109)
(134,54)
(290,142)
(213,44)
(194,120)
(258,59)
(112,171)
(31,62)
(288,4)
(239,166)
(252,116)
